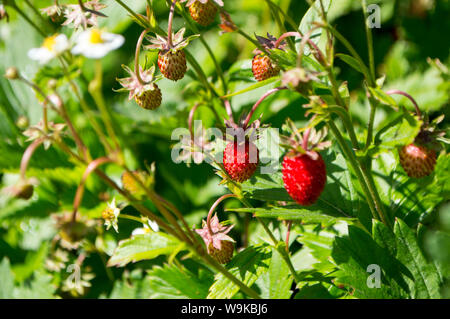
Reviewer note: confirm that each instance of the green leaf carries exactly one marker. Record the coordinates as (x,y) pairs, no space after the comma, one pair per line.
(355,253)
(382,97)
(276,282)
(316,213)
(6,280)
(412,200)
(39,288)
(247,266)
(253,87)
(401,131)
(424,283)
(171,282)
(313,15)
(142,247)
(355,64)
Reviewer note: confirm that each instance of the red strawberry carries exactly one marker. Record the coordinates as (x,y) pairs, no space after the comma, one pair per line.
(263,68)
(417,161)
(172,64)
(203,11)
(304,177)
(238,162)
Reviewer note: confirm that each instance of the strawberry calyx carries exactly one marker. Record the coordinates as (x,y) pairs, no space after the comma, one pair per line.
(310,143)
(163,44)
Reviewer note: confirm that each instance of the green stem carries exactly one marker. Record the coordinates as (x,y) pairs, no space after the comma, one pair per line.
(194,28)
(86,108)
(373,107)
(136,16)
(37,13)
(95,88)
(354,163)
(283,252)
(130,217)
(23,15)
(369,41)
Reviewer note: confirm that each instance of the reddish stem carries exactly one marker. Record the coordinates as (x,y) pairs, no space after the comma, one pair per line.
(319,54)
(169,27)
(80,190)
(398,92)
(249,116)
(288,234)
(137,70)
(229,111)
(213,207)
(27,155)
(191,118)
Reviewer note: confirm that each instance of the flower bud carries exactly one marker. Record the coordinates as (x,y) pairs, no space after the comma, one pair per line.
(12,73)
(22,122)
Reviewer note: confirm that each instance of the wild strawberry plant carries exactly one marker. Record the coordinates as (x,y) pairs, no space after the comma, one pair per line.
(332,189)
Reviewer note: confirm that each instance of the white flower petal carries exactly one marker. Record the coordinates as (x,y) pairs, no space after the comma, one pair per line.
(138,231)
(61,43)
(42,55)
(153,225)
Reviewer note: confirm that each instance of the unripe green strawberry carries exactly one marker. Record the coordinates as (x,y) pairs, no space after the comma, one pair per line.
(263,68)
(304,177)
(239,162)
(172,64)
(203,13)
(149,99)
(224,254)
(417,161)
(144,90)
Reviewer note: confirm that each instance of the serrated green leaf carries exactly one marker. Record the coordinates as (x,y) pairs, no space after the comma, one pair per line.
(276,282)
(425,280)
(171,282)
(247,266)
(142,247)
(355,253)
(310,214)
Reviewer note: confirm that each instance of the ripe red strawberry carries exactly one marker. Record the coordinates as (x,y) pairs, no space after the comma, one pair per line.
(417,161)
(304,177)
(240,164)
(263,67)
(224,254)
(203,11)
(172,64)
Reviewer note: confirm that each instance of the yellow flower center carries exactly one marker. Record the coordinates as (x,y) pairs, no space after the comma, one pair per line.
(108,214)
(96,36)
(49,42)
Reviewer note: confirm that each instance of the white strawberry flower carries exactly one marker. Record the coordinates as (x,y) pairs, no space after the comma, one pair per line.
(110,215)
(95,43)
(148,226)
(51,47)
